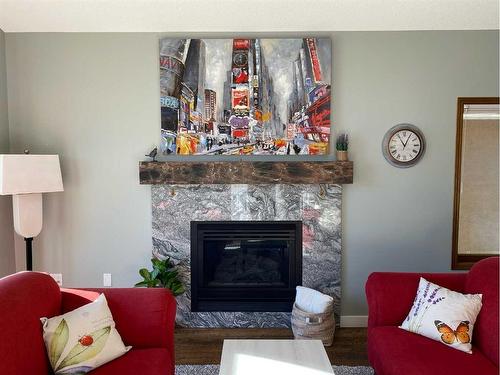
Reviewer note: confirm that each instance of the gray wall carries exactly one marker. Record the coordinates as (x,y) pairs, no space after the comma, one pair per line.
(6,229)
(401,219)
(93,98)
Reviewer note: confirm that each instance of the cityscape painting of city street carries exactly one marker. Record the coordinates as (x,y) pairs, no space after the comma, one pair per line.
(245,96)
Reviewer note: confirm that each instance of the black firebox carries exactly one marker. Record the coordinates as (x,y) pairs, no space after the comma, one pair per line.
(245,265)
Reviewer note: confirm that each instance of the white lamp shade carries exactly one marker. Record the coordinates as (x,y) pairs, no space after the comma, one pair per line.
(28,174)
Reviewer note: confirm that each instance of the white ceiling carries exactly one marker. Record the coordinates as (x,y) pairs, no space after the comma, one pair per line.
(246,15)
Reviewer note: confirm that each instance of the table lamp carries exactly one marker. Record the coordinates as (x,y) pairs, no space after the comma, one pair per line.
(26,177)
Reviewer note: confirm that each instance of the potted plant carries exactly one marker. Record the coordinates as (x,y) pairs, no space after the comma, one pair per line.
(163,275)
(342,146)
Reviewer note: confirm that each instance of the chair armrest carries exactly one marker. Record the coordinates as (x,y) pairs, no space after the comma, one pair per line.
(390,295)
(144,317)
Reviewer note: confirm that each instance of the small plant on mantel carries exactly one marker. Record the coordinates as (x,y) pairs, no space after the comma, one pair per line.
(342,145)
(163,275)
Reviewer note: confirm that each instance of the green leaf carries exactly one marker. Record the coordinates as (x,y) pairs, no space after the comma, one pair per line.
(58,342)
(81,353)
(170,276)
(178,289)
(165,281)
(173,273)
(145,273)
(164,274)
(158,264)
(155,273)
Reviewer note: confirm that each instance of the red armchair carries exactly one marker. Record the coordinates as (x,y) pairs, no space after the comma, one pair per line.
(145,319)
(393,351)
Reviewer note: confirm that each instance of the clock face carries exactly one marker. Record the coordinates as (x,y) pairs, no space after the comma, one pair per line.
(240,59)
(403,145)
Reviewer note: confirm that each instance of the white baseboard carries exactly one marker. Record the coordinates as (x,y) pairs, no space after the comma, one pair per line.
(354,321)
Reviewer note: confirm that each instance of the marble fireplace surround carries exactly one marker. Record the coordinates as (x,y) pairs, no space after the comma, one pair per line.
(318,206)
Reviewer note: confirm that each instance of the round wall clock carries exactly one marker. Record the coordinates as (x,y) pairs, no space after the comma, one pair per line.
(403,145)
(240,59)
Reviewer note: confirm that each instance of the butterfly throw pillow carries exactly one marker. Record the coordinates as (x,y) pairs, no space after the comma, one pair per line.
(83,339)
(443,315)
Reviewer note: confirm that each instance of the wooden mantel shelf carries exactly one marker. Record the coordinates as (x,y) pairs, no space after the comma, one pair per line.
(245,172)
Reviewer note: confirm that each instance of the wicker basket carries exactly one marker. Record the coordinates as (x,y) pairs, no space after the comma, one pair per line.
(313,326)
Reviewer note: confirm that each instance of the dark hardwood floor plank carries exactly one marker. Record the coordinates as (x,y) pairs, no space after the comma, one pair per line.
(199,346)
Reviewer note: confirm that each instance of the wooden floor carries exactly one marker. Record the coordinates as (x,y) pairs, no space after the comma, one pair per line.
(199,346)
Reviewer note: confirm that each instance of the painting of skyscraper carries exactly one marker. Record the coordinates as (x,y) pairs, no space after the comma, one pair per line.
(245,96)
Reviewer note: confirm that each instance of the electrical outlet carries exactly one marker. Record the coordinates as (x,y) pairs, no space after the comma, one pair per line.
(57,277)
(106,279)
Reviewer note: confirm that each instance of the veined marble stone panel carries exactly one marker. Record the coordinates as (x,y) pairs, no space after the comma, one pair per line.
(317,206)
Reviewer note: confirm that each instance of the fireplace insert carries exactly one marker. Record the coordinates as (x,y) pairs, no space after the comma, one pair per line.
(245,265)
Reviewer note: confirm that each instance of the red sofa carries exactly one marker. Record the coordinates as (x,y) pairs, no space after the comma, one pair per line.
(393,351)
(144,318)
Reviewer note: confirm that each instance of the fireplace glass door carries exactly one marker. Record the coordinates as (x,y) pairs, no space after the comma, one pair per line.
(246,262)
(245,265)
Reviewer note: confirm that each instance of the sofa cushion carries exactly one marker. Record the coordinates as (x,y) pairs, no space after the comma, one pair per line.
(443,315)
(82,339)
(391,294)
(152,310)
(24,298)
(154,361)
(483,278)
(393,351)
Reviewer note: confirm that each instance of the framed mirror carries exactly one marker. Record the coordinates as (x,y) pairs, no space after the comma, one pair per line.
(476,201)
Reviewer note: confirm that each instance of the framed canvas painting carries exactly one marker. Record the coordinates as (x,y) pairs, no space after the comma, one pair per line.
(245,96)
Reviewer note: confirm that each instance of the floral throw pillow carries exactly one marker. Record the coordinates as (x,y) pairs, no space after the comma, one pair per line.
(83,339)
(443,315)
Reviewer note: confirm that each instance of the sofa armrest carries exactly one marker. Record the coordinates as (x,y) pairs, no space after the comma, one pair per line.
(390,295)
(144,317)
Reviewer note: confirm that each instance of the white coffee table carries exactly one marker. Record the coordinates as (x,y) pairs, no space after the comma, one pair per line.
(274,357)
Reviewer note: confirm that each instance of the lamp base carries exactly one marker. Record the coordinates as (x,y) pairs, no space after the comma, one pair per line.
(27,209)
(29,253)
(27,217)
